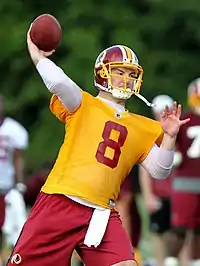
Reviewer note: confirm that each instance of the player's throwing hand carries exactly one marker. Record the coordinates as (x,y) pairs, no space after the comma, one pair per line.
(35,53)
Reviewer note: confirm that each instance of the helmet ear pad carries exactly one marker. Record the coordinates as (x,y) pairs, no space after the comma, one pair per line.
(102,73)
(100,77)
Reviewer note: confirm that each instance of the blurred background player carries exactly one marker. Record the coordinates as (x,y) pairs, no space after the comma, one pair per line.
(128,210)
(13,140)
(157,195)
(15,217)
(35,182)
(185,197)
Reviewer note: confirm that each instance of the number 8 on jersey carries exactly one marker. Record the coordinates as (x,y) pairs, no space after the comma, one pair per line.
(110,143)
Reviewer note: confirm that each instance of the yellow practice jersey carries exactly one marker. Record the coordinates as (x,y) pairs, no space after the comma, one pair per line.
(99,149)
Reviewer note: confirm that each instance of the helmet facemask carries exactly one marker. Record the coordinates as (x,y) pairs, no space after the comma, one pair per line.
(125,91)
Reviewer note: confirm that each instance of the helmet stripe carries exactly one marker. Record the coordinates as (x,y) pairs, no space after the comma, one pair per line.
(128,53)
(123,52)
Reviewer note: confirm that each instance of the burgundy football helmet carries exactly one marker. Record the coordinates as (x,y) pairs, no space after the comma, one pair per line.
(114,57)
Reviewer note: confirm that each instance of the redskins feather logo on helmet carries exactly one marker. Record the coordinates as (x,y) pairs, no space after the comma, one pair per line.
(113,57)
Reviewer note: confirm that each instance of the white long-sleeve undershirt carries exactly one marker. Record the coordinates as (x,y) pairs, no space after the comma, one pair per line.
(158,162)
(58,83)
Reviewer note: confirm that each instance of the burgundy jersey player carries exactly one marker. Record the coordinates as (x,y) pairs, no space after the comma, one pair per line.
(185,198)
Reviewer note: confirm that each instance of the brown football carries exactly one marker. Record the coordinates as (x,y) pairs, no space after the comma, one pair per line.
(46,32)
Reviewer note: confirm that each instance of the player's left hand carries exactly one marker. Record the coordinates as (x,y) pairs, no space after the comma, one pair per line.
(170,120)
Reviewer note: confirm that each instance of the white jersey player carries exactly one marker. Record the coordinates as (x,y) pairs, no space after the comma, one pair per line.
(13,137)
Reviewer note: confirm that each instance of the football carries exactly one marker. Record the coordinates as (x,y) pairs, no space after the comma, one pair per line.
(46,32)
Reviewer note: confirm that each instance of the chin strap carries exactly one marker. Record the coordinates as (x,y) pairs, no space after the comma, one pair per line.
(136,94)
(144,100)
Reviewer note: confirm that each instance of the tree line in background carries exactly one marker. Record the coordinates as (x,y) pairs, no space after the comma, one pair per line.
(165,36)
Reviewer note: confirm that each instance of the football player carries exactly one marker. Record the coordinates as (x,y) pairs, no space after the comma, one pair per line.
(103,140)
(185,196)
(35,182)
(157,195)
(13,140)
(15,217)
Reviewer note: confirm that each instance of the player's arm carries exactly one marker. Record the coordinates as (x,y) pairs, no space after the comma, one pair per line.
(151,201)
(123,206)
(56,81)
(145,182)
(18,162)
(159,162)
(20,143)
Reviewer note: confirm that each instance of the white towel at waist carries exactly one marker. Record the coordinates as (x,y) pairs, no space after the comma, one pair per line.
(98,222)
